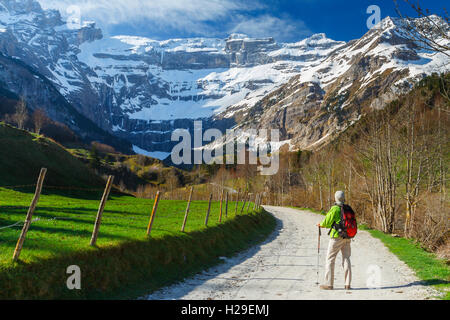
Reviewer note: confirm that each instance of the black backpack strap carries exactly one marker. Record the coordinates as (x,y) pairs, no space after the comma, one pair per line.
(331,228)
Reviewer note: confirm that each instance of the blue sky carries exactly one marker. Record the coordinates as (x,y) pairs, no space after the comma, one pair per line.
(285,20)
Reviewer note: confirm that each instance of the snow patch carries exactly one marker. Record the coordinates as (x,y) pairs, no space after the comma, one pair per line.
(153,154)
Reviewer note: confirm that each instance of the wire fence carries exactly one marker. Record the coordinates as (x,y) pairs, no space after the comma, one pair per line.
(219,207)
(21,223)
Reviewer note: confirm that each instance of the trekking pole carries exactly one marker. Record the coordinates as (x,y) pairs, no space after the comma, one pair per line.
(318,255)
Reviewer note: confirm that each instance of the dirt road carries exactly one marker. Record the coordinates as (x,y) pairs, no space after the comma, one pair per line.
(285,267)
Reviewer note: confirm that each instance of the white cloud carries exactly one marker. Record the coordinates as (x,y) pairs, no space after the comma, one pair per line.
(200,17)
(165,11)
(282,29)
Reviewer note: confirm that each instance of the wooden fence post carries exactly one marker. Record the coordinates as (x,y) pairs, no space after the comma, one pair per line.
(209,209)
(248,205)
(30,212)
(237,202)
(256,200)
(187,209)
(98,220)
(221,205)
(152,216)
(245,201)
(226,205)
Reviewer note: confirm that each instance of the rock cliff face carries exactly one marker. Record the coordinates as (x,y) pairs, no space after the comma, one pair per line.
(153,87)
(141,90)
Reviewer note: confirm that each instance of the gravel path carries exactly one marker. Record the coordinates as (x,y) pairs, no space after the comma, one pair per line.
(285,267)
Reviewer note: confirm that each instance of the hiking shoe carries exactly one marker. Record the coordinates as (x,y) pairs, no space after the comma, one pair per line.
(347,288)
(324,287)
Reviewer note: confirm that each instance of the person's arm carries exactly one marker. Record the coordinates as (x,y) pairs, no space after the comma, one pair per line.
(329,218)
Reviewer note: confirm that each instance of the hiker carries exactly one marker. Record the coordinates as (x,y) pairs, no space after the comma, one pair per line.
(342,227)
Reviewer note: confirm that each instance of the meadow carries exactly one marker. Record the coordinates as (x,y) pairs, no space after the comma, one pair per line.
(63,225)
(66,222)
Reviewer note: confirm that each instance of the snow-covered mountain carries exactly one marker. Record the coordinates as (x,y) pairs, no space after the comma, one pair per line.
(141,89)
(362,75)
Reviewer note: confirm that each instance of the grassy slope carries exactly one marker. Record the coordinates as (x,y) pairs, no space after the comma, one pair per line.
(426,265)
(23,154)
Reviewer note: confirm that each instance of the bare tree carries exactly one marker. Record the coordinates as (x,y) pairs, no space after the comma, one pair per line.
(427,30)
(414,145)
(172,182)
(39,119)
(20,117)
(380,151)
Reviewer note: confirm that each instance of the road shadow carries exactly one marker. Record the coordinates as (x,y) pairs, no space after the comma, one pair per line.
(426,283)
(186,286)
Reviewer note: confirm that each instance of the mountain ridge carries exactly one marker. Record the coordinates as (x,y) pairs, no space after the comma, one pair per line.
(362,75)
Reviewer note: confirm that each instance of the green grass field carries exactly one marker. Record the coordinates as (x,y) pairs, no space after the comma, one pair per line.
(66,223)
(125,256)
